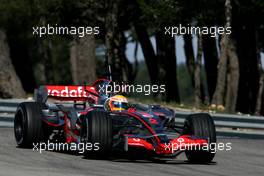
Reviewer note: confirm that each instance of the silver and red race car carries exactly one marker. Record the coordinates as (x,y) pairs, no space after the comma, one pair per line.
(86,114)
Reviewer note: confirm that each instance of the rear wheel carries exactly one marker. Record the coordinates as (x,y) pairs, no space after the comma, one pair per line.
(97,130)
(201,125)
(28,124)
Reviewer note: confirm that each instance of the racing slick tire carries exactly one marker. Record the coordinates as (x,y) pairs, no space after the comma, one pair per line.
(201,125)
(97,131)
(28,124)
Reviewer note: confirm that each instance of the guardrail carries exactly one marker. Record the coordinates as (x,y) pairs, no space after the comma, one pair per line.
(231,125)
(226,124)
(232,121)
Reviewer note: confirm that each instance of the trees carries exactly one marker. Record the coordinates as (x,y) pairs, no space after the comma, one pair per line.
(245,22)
(228,62)
(162,64)
(12,20)
(167,66)
(197,73)
(112,38)
(147,48)
(189,54)
(10,86)
(234,82)
(210,63)
(82,59)
(261,86)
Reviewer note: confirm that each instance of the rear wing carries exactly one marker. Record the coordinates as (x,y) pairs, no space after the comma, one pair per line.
(66,93)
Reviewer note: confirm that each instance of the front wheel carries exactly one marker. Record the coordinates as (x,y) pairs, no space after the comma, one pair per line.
(97,131)
(201,125)
(28,124)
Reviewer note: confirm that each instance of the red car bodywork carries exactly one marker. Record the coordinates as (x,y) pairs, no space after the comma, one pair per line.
(91,95)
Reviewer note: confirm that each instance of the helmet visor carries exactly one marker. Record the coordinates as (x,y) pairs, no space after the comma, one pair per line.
(120,105)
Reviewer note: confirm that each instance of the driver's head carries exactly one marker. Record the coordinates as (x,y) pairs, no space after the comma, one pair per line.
(116,103)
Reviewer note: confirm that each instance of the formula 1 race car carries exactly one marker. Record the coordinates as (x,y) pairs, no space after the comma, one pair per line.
(86,114)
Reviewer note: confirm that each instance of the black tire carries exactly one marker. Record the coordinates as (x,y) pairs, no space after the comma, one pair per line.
(97,128)
(28,124)
(201,125)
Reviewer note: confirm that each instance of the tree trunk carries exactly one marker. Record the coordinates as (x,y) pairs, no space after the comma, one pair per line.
(218,97)
(189,54)
(260,95)
(232,82)
(210,62)
(197,73)
(148,52)
(21,59)
(113,39)
(82,58)
(135,62)
(45,47)
(128,72)
(10,85)
(248,62)
(147,48)
(167,63)
(228,59)
(261,85)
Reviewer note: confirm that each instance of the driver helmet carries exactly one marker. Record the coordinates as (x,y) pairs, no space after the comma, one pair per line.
(116,103)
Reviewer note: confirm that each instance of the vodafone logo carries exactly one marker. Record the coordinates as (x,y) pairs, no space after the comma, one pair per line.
(68,91)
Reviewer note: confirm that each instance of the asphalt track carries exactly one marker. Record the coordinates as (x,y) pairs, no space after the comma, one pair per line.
(245,158)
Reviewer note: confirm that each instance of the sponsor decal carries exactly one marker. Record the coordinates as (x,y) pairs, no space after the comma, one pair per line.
(68,91)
